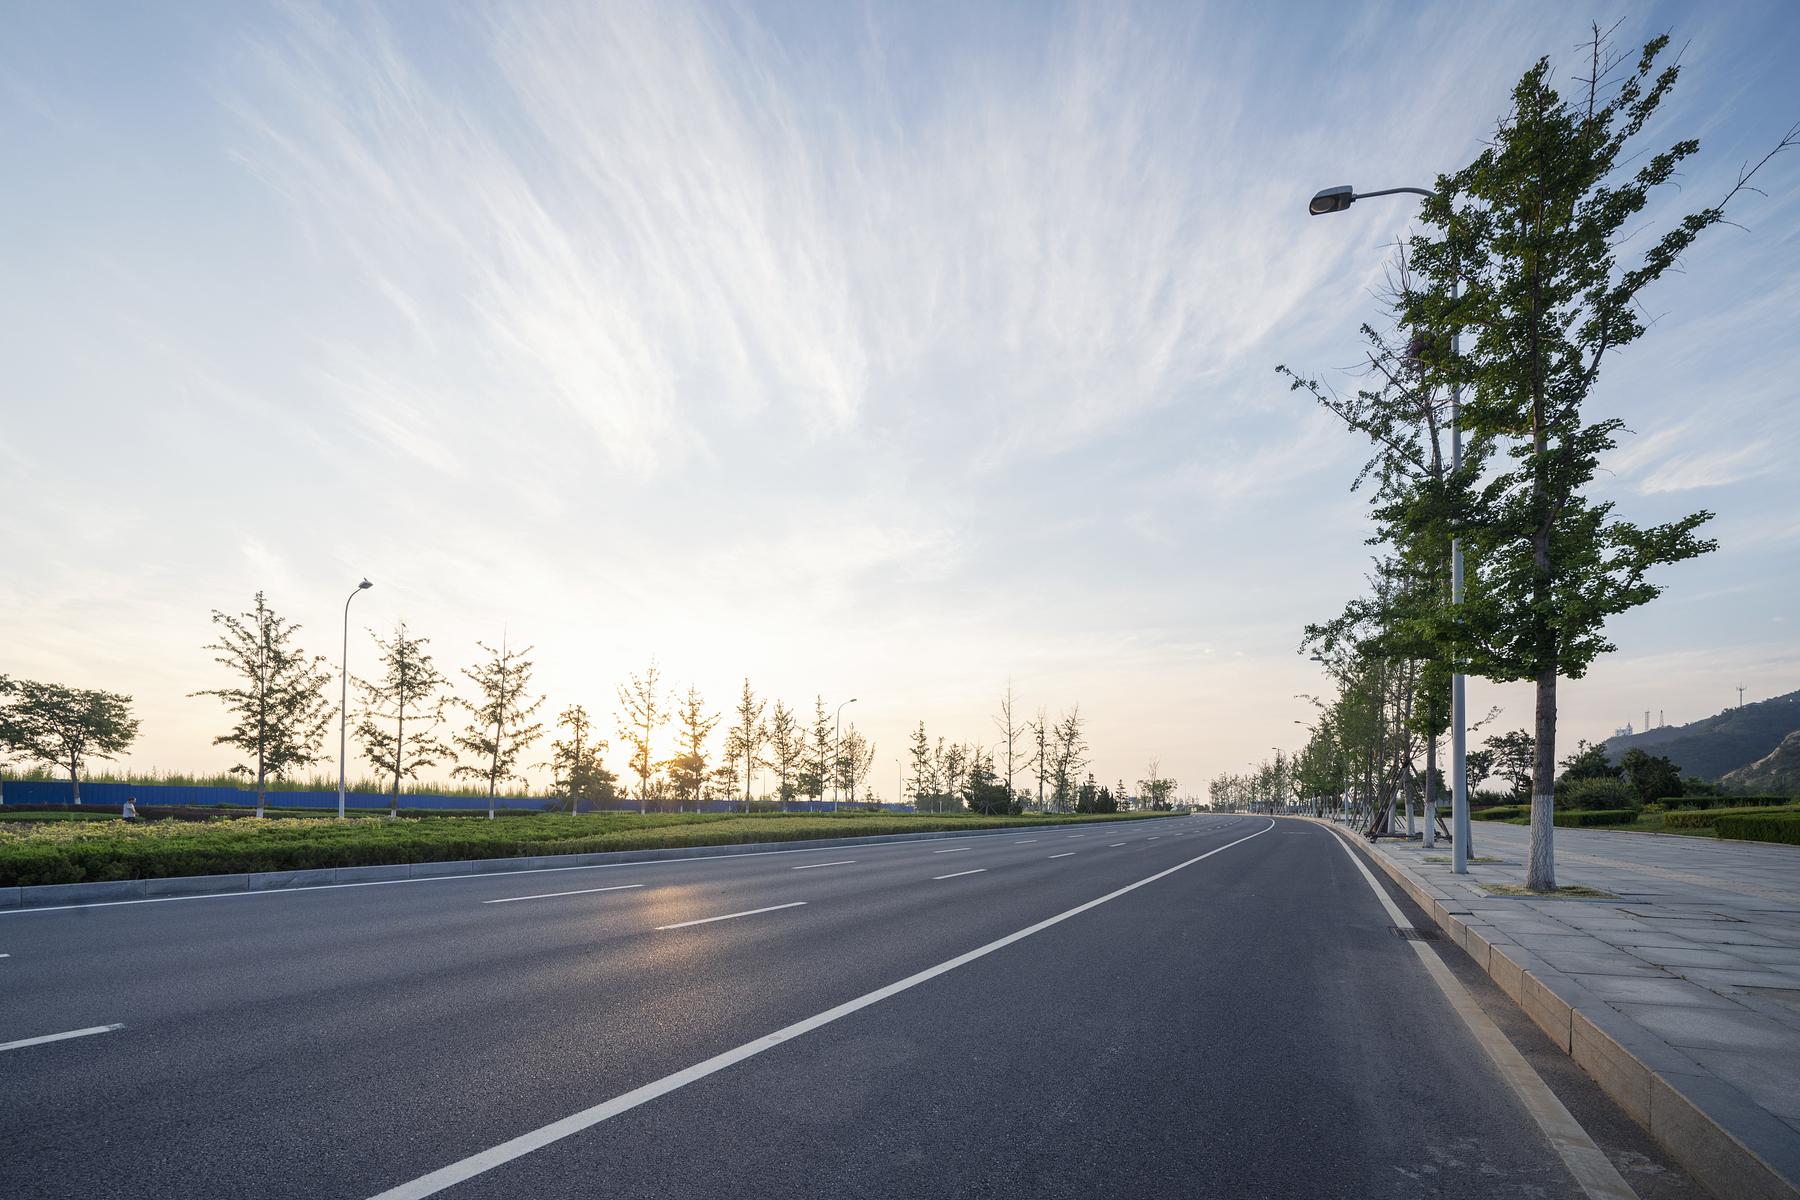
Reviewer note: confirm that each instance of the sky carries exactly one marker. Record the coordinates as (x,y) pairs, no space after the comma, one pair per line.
(892,352)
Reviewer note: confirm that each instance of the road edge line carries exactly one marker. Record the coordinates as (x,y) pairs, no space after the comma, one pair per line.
(1680,1124)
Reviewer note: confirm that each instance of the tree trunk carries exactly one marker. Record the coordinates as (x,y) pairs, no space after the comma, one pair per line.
(1431,791)
(75,778)
(1540,875)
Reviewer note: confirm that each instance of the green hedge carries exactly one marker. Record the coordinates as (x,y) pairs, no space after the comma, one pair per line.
(1704,818)
(1705,802)
(1574,818)
(1504,812)
(1760,827)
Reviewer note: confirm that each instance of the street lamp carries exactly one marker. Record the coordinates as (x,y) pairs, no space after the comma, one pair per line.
(344,694)
(1337,199)
(837,763)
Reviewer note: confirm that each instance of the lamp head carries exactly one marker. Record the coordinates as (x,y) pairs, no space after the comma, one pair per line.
(364,584)
(1333,199)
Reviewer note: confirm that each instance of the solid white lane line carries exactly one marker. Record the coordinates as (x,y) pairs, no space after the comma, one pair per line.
(617,887)
(1064,854)
(1585,1161)
(958,874)
(953,850)
(59,1037)
(842,862)
(587,1118)
(730,916)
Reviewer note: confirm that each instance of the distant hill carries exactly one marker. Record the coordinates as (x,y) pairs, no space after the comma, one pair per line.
(1775,774)
(1718,745)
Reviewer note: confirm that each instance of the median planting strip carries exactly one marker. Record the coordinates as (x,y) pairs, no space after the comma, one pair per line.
(55,897)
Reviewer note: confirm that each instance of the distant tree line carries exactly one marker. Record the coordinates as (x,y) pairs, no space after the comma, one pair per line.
(409,721)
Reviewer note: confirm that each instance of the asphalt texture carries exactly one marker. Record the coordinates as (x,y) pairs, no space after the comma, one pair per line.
(1247,1026)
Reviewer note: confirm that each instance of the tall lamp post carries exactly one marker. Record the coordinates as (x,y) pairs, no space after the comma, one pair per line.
(837,761)
(344,695)
(1337,199)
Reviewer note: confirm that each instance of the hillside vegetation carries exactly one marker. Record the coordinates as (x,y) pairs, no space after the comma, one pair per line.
(1718,745)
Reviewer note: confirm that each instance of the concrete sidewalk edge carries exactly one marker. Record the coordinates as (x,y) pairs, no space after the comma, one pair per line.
(48,894)
(1731,1145)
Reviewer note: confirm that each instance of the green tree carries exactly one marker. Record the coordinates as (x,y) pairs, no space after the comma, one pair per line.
(815,772)
(1588,762)
(641,712)
(787,750)
(280,706)
(1655,776)
(1155,792)
(924,787)
(984,792)
(63,727)
(745,740)
(1529,236)
(1513,757)
(689,770)
(1068,756)
(855,759)
(577,763)
(500,726)
(408,692)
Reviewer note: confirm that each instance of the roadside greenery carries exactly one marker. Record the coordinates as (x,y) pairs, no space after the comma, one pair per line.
(1527,276)
(82,851)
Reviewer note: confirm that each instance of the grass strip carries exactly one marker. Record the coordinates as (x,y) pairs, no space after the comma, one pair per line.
(96,851)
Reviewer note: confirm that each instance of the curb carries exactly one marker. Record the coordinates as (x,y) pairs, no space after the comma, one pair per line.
(1733,1147)
(47,894)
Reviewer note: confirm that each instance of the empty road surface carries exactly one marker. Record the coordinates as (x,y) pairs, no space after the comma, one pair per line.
(1199,1006)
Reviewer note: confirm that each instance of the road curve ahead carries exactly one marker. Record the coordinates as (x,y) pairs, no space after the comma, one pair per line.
(1203,1006)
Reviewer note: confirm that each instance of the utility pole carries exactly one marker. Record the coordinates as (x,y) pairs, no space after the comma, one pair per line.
(1740,695)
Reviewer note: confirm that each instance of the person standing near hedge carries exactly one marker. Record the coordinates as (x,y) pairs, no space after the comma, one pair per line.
(129,811)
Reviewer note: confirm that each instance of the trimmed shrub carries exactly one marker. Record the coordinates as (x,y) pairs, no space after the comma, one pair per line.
(1504,812)
(1601,792)
(1577,817)
(1760,827)
(1491,798)
(1705,818)
(1705,802)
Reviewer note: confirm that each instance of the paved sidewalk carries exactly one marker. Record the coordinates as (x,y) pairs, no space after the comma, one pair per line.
(1681,996)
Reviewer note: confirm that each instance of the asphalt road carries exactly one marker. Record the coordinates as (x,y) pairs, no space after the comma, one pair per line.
(1247,1025)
